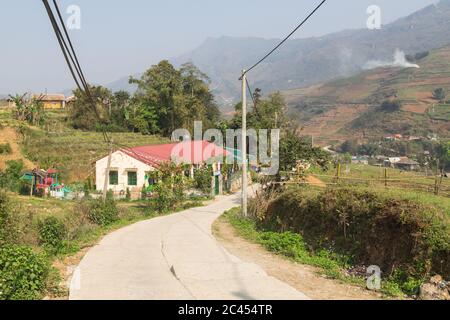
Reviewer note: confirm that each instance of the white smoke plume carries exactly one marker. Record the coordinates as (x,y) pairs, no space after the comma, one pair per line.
(399,61)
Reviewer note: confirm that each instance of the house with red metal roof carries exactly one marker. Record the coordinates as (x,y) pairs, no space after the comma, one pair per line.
(130,168)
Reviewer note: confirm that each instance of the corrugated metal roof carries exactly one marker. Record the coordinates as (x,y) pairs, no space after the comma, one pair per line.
(194,152)
(49,97)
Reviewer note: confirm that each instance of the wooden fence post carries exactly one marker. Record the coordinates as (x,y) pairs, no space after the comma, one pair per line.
(338,172)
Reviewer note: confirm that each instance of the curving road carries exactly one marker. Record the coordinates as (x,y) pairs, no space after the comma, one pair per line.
(173,257)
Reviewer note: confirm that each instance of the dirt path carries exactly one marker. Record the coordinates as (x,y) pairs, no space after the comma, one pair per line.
(315,182)
(303,278)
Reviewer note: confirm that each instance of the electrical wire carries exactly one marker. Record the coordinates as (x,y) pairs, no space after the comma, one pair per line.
(285,39)
(75,60)
(72,59)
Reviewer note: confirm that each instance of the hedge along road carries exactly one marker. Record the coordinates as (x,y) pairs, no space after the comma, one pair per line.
(173,257)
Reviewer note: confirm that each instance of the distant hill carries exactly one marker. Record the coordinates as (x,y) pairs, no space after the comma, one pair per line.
(350,107)
(303,62)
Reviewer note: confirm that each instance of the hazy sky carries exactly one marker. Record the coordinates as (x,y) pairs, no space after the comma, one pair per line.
(123,37)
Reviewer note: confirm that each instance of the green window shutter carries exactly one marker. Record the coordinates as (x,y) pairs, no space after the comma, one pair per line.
(132,178)
(113,178)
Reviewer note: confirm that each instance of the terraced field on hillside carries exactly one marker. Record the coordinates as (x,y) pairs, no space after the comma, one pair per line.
(349,107)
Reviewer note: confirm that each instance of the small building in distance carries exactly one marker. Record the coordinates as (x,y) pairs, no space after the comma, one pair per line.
(402,163)
(360,160)
(407,164)
(51,101)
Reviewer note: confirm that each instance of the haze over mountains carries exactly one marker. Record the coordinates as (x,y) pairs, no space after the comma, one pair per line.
(302,62)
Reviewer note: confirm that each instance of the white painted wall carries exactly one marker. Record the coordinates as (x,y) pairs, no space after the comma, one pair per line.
(122,163)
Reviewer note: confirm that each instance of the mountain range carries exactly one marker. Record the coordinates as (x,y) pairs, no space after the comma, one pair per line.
(303,62)
(351,108)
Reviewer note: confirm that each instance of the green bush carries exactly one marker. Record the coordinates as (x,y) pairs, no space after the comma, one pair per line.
(10,178)
(369,228)
(165,199)
(23,273)
(102,213)
(5,217)
(287,243)
(391,106)
(5,148)
(202,179)
(52,233)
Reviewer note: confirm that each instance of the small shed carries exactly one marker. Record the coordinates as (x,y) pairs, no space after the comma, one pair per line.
(407,164)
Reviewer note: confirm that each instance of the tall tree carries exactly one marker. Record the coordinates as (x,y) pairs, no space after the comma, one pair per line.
(85,112)
(168,99)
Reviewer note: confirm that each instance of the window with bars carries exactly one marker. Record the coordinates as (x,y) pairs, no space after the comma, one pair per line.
(113,178)
(132,178)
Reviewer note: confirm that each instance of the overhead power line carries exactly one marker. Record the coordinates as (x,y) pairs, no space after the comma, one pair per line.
(71,58)
(75,58)
(285,39)
(61,41)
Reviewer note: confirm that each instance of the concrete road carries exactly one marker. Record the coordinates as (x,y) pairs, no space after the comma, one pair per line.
(173,257)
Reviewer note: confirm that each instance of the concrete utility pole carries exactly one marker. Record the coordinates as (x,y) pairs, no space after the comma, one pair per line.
(244,143)
(108,168)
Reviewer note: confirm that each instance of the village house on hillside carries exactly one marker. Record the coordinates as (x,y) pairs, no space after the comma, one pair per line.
(130,168)
(402,163)
(360,160)
(407,164)
(51,101)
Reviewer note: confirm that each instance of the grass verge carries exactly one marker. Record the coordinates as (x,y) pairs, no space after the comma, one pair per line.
(292,246)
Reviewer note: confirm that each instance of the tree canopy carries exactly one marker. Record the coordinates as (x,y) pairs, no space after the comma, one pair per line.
(166,99)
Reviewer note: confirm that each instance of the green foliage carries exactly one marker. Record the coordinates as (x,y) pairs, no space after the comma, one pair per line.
(391,106)
(391,233)
(100,212)
(170,189)
(5,214)
(407,284)
(29,110)
(267,113)
(5,148)
(10,178)
(52,233)
(352,147)
(349,146)
(294,148)
(202,178)
(23,273)
(168,99)
(287,243)
(165,196)
(85,115)
(439,94)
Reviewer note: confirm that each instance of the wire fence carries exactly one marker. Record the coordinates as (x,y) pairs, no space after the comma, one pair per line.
(437,184)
